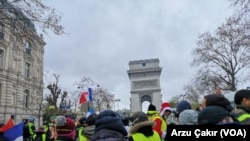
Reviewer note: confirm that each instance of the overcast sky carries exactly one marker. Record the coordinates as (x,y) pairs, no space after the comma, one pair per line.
(104,35)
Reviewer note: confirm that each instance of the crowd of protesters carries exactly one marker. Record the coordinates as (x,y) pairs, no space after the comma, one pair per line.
(215,109)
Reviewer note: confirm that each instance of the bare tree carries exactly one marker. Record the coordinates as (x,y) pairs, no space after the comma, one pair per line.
(223,57)
(192,95)
(21,16)
(242,7)
(226,54)
(83,85)
(55,93)
(203,83)
(103,99)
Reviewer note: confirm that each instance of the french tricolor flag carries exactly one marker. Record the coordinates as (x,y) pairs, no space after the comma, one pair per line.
(86,96)
(15,133)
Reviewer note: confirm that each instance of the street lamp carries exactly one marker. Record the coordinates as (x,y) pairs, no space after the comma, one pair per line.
(117,100)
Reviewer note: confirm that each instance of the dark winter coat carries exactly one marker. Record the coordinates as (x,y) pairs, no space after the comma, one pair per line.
(239,111)
(108,135)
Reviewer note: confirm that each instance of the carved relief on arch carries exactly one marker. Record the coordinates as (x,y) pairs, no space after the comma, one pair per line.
(145,84)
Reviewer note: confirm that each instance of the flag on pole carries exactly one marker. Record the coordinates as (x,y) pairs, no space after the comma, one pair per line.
(10,123)
(90,112)
(83,97)
(86,96)
(90,94)
(15,133)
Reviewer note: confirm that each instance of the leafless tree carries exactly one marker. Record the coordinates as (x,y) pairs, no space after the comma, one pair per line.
(55,93)
(22,16)
(226,54)
(242,6)
(82,85)
(223,58)
(203,83)
(103,99)
(174,100)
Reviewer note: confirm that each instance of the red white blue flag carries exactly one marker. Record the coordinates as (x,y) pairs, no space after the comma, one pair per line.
(86,96)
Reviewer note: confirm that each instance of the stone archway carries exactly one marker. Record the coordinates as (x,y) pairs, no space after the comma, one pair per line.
(144,78)
(145,101)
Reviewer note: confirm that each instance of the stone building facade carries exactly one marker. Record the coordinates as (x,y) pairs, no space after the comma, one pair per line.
(21,66)
(144,76)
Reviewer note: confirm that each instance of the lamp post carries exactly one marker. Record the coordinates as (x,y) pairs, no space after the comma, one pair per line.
(117,100)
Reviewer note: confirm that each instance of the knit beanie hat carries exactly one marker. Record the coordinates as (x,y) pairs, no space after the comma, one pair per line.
(82,120)
(165,106)
(212,115)
(139,117)
(239,95)
(151,107)
(110,120)
(183,105)
(65,126)
(91,119)
(188,117)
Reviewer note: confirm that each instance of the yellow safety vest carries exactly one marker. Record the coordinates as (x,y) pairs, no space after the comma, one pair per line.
(141,137)
(153,115)
(32,132)
(243,117)
(43,137)
(80,136)
(45,128)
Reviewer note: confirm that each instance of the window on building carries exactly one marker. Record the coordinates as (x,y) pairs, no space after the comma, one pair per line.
(1,92)
(143,64)
(1,57)
(26,99)
(27,70)
(1,31)
(28,48)
(1,27)
(14,38)
(13,99)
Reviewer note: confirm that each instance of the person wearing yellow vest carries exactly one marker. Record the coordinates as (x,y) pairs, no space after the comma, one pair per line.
(41,135)
(89,130)
(30,129)
(160,125)
(242,111)
(80,126)
(141,129)
(165,112)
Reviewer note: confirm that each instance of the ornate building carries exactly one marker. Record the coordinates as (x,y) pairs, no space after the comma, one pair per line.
(21,66)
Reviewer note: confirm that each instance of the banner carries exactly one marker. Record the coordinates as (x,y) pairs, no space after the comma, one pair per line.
(15,133)
(10,123)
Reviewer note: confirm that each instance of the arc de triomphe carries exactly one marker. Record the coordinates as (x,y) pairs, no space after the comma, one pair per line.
(144,76)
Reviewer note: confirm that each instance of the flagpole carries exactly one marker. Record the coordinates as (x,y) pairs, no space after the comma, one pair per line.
(88,105)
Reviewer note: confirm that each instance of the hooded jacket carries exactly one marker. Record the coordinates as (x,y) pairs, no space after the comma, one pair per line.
(242,114)
(145,130)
